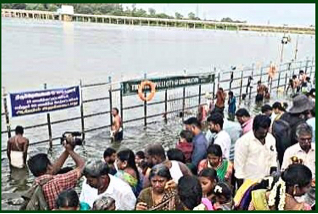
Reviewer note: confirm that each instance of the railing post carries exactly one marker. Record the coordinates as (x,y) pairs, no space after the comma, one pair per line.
(200,88)
(230,87)
(183,102)
(260,78)
(219,77)
(145,104)
(82,112)
(214,84)
(286,77)
(312,63)
(110,100)
(241,88)
(121,105)
(49,124)
(250,95)
(307,61)
(4,94)
(278,80)
(166,106)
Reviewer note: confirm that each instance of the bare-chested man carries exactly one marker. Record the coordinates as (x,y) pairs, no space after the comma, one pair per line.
(17,148)
(116,130)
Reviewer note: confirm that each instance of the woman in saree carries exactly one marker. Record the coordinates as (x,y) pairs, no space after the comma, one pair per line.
(294,182)
(127,170)
(161,195)
(223,167)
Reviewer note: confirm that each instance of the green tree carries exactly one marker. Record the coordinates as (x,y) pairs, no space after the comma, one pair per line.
(40,7)
(178,15)
(133,11)
(84,10)
(18,6)
(106,8)
(31,6)
(140,13)
(52,7)
(163,16)
(227,19)
(191,16)
(6,6)
(152,12)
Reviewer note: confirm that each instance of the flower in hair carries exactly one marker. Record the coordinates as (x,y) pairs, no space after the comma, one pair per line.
(218,189)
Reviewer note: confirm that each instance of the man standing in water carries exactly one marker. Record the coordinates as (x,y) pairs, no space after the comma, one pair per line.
(17,148)
(116,129)
(260,92)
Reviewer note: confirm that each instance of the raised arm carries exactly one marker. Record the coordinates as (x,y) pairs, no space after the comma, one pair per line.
(79,161)
(59,162)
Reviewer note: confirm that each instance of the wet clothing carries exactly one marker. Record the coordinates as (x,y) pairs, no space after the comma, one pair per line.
(259,98)
(17,159)
(119,135)
(17,155)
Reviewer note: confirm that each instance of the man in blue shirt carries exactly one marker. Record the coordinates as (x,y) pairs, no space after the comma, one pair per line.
(200,143)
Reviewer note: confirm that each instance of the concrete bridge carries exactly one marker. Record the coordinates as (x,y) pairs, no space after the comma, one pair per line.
(145,21)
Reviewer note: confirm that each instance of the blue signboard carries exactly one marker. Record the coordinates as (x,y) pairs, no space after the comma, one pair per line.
(26,103)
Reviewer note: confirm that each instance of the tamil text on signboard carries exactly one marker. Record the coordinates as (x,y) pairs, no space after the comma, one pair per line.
(131,87)
(26,103)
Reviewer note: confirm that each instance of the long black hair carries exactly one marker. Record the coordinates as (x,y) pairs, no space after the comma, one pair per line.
(129,156)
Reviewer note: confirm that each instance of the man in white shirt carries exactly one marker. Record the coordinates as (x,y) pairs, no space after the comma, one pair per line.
(99,183)
(255,152)
(222,138)
(302,152)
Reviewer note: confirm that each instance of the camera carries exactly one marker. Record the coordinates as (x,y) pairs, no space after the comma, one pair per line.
(77,138)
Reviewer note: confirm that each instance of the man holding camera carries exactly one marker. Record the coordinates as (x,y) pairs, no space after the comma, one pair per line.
(46,173)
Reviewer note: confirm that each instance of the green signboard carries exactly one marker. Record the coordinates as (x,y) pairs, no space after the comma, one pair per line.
(131,87)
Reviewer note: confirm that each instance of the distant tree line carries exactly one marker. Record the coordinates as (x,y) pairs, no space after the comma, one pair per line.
(108,9)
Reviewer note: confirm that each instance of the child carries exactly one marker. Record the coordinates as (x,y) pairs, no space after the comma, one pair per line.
(208,178)
(222,197)
(140,156)
(185,144)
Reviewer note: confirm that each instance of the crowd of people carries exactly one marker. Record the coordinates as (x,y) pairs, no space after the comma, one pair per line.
(256,162)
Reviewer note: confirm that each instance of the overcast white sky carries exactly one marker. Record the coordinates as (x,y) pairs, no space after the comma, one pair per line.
(291,14)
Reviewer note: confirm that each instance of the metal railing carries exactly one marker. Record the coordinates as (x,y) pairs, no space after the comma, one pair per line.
(237,80)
